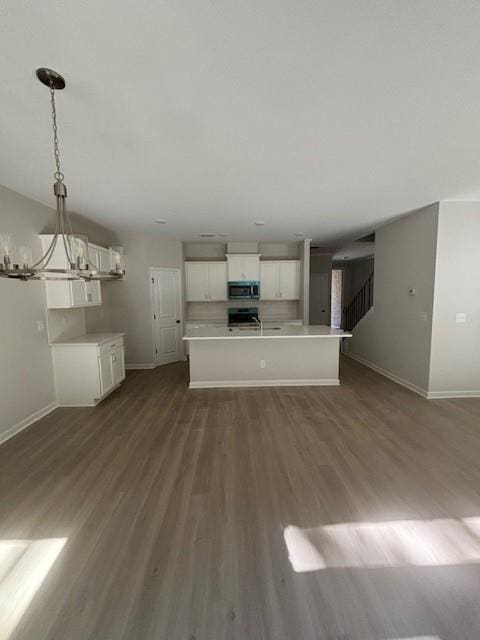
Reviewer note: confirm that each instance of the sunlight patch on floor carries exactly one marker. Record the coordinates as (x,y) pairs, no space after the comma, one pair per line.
(24,565)
(400,543)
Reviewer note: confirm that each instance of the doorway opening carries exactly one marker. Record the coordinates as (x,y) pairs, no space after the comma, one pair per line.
(336,297)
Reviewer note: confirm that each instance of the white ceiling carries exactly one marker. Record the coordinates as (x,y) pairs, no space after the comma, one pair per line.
(314,116)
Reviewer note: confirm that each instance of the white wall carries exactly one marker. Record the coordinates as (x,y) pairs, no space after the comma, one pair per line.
(455,355)
(395,335)
(26,374)
(127,303)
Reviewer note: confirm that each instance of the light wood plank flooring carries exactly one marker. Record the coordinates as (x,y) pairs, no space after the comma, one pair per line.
(173,504)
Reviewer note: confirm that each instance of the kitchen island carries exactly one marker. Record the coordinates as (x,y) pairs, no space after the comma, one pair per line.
(274,355)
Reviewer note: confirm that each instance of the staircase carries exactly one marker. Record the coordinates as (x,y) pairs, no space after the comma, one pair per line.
(359,305)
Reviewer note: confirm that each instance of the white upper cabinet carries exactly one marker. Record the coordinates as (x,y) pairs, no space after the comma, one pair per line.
(269,280)
(206,281)
(243,267)
(289,279)
(196,281)
(68,294)
(100,257)
(217,280)
(280,280)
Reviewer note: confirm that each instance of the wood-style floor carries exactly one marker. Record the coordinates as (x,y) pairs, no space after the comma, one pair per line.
(173,504)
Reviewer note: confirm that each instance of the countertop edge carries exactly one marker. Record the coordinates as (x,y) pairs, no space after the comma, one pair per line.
(112,336)
(266,337)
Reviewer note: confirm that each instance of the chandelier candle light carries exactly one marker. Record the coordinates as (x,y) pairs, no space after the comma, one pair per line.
(20,265)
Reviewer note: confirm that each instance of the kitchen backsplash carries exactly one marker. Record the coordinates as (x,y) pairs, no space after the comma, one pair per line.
(275,310)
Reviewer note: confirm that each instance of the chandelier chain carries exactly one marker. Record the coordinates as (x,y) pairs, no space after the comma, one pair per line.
(58,174)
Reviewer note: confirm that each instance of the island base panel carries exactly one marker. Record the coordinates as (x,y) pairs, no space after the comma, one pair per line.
(237,363)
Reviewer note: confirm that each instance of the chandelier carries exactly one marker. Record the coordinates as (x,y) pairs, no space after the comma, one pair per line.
(72,248)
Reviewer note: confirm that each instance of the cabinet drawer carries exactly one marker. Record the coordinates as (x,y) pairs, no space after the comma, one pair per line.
(116,343)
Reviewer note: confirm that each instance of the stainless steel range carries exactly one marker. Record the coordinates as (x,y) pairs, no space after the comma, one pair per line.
(243,317)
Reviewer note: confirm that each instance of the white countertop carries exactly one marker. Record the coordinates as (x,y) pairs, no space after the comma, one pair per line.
(94,339)
(212,332)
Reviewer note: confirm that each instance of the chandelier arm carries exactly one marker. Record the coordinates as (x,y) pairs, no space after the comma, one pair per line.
(47,256)
(67,239)
(45,259)
(68,224)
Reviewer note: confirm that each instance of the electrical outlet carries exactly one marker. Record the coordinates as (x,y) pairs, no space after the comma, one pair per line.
(40,326)
(460,318)
(262,364)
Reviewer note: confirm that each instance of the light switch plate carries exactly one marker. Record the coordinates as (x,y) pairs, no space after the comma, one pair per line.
(423,316)
(460,318)
(40,326)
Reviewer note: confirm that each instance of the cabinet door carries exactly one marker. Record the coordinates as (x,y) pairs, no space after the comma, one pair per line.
(106,372)
(104,259)
(93,258)
(268,280)
(196,281)
(93,292)
(217,281)
(235,267)
(252,268)
(243,268)
(118,366)
(289,280)
(78,293)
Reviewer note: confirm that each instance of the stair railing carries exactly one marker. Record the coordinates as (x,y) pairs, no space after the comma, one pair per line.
(358,307)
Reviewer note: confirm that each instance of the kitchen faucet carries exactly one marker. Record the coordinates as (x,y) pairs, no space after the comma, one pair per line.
(259,322)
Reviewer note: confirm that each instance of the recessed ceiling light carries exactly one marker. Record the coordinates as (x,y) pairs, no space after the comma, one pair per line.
(259,223)
(161,221)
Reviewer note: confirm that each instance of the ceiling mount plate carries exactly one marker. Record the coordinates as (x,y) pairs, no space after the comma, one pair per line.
(50,78)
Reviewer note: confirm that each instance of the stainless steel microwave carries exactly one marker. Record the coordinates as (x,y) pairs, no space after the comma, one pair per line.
(247,290)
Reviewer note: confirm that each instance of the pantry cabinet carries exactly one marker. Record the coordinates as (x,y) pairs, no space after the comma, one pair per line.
(206,281)
(280,280)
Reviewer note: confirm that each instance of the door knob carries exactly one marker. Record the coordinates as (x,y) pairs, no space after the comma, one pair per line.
(177,321)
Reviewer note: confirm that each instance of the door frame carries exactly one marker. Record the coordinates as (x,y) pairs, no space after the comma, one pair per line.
(151,272)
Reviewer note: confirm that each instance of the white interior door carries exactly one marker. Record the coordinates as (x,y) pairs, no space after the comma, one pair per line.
(320,298)
(167,311)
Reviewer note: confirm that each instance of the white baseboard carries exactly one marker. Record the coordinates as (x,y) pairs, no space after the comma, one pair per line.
(141,365)
(429,395)
(391,376)
(222,384)
(439,395)
(23,424)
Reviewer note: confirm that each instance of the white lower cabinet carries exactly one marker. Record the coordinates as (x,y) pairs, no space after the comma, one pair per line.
(87,368)
(280,280)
